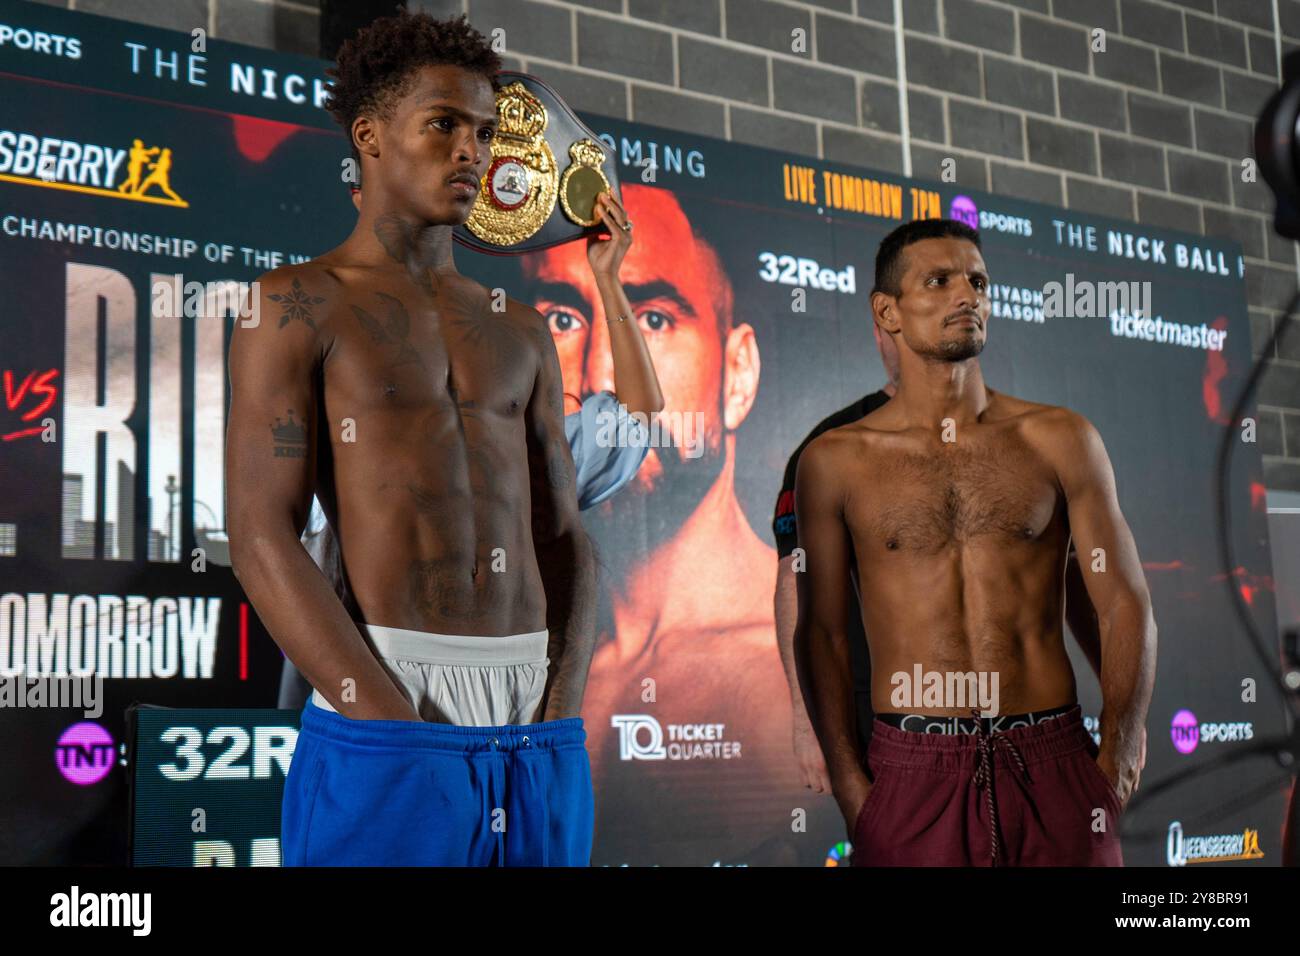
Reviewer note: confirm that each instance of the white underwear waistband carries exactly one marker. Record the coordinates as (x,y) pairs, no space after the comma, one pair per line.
(396,643)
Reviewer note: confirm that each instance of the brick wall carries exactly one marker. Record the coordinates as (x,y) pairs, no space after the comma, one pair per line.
(1153,129)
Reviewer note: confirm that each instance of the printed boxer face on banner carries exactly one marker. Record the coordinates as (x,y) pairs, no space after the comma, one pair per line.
(432,149)
(682,299)
(707,365)
(942,312)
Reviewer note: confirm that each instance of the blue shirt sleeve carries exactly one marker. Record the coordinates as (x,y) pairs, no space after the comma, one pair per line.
(608,447)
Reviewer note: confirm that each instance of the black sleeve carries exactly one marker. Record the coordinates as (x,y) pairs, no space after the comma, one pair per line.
(783,528)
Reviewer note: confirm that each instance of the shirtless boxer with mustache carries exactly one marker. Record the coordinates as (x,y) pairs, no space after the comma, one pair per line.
(951,508)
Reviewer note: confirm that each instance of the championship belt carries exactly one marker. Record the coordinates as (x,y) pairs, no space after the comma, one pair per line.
(547,170)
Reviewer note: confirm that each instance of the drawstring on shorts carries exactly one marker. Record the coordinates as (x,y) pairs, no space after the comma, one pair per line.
(986,748)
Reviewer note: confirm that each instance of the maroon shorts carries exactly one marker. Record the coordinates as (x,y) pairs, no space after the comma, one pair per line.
(1030,796)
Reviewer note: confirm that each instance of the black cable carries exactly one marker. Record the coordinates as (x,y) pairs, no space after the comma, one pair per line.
(1273,668)
(1226,553)
(1239,801)
(1180,778)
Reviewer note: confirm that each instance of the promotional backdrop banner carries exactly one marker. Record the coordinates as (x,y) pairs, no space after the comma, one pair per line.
(142,180)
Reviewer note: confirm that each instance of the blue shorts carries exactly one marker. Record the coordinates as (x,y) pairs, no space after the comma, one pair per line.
(410,793)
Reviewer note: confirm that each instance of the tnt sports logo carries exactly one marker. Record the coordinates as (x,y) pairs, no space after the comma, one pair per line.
(38,41)
(1186,733)
(963,209)
(641,737)
(140,173)
(84,753)
(1219,848)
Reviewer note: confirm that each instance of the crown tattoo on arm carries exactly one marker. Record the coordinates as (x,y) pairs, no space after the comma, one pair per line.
(290,438)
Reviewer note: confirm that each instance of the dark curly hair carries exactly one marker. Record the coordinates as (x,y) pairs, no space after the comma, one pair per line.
(375,67)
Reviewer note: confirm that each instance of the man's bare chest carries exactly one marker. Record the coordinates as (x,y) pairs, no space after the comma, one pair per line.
(416,351)
(997,491)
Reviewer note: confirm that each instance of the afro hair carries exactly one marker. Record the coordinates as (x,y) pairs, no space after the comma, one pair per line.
(376,67)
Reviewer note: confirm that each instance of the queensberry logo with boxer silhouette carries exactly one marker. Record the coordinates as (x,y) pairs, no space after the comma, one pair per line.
(140,173)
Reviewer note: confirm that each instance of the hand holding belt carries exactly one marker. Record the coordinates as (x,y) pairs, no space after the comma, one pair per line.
(547,170)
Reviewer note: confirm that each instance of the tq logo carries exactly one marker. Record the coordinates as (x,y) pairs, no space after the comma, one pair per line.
(630,744)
